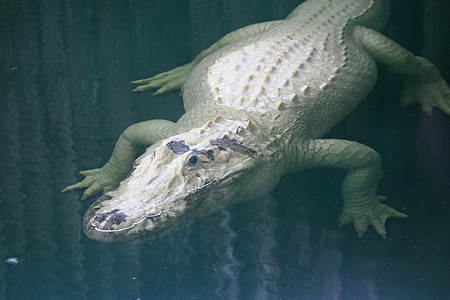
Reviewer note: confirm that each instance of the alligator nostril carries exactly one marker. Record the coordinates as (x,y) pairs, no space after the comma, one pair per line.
(118,218)
(115,219)
(108,219)
(99,218)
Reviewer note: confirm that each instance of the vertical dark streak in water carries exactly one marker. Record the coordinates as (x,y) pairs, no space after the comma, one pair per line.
(160,41)
(228,267)
(206,19)
(114,96)
(327,266)
(209,236)
(261,273)
(179,256)
(127,270)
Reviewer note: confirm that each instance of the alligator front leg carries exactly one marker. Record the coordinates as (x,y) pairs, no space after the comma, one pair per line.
(422,81)
(130,144)
(362,205)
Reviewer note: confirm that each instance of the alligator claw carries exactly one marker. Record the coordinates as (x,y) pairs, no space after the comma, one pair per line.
(427,95)
(375,216)
(95,181)
(166,81)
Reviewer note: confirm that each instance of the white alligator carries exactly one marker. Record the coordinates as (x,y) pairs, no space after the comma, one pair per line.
(257,103)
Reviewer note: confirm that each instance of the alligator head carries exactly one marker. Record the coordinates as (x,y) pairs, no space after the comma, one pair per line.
(176,182)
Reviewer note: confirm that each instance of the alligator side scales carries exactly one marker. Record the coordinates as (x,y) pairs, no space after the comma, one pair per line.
(257,103)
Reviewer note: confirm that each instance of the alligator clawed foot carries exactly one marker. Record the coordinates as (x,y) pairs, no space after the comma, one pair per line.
(375,215)
(428,95)
(95,181)
(166,82)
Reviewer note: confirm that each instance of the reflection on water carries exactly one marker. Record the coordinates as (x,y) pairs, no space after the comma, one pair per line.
(64,99)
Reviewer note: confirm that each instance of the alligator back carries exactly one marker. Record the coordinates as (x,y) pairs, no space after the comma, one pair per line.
(309,66)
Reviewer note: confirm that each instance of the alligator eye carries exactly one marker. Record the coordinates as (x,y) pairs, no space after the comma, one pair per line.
(192,161)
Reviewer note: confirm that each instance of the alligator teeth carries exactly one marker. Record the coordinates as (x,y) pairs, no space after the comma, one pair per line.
(248,124)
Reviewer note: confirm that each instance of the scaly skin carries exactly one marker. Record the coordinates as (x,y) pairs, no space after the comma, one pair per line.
(257,104)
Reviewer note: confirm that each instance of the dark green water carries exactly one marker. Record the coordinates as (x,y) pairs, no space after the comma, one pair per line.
(65,68)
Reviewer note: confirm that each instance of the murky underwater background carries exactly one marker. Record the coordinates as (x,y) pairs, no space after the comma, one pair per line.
(65,68)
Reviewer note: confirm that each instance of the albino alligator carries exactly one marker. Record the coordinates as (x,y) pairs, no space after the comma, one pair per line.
(257,103)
